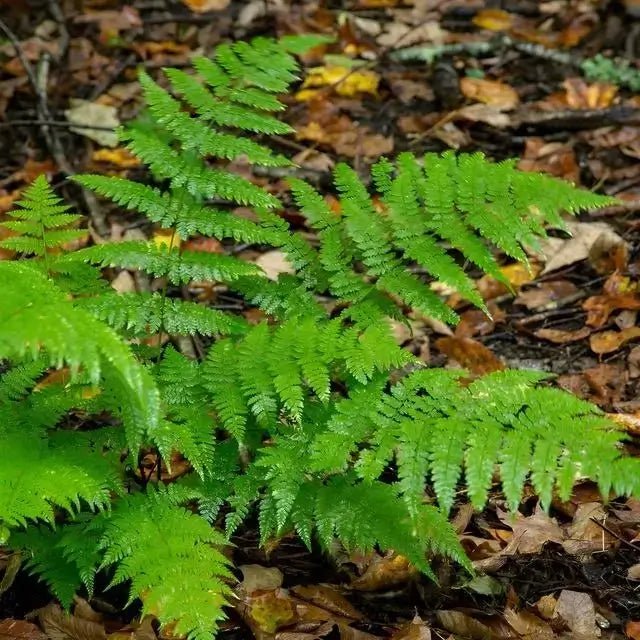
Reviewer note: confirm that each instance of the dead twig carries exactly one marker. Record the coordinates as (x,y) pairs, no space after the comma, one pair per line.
(38,79)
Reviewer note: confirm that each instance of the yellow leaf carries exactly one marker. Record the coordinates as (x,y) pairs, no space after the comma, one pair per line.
(497,94)
(518,274)
(493,20)
(167,238)
(202,6)
(120,157)
(348,82)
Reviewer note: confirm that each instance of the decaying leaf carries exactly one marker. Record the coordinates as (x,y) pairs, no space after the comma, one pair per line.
(470,354)
(417,629)
(93,114)
(584,535)
(383,572)
(546,295)
(202,6)
(577,611)
(491,92)
(344,81)
(273,263)
(59,625)
(532,533)
(11,629)
(561,253)
(562,337)
(609,341)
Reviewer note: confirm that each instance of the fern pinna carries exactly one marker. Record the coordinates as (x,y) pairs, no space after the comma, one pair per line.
(300,417)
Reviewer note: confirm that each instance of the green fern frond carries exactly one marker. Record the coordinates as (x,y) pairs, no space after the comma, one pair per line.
(74,476)
(38,221)
(161,261)
(37,316)
(189,216)
(148,313)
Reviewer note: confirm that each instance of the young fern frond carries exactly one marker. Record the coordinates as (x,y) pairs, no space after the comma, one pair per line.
(39,222)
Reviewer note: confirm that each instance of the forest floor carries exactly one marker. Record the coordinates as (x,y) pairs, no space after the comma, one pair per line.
(505,78)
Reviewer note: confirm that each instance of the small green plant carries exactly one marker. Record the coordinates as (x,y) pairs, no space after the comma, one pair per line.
(615,71)
(297,417)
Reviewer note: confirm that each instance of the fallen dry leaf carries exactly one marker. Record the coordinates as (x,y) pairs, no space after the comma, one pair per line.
(584,535)
(609,341)
(255,577)
(580,95)
(633,572)
(493,20)
(555,158)
(558,336)
(632,629)
(93,114)
(562,253)
(532,533)
(602,384)
(344,81)
(417,629)
(528,625)
(470,354)
(120,157)
(578,612)
(491,92)
(11,629)
(327,598)
(166,238)
(383,572)
(202,6)
(59,625)
(466,626)
(273,263)
(546,295)
(487,113)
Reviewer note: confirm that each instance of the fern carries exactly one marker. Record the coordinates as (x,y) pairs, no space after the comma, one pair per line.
(40,222)
(313,418)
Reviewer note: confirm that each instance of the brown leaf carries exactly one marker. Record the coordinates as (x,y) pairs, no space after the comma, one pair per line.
(11,629)
(558,336)
(578,612)
(273,263)
(328,598)
(470,354)
(609,341)
(383,572)
(491,92)
(546,294)
(349,633)
(555,158)
(580,95)
(603,384)
(528,625)
(462,624)
(202,6)
(632,629)
(59,625)
(417,629)
(584,535)
(259,578)
(475,322)
(532,533)
(561,253)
